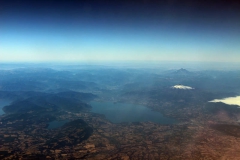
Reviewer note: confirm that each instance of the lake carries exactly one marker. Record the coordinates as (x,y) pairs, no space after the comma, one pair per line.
(4,102)
(56,124)
(124,112)
(229,100)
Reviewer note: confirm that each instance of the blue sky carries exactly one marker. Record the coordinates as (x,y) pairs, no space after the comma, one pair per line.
(100,33)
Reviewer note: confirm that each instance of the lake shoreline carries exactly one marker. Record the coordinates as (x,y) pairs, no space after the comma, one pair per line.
(127,112)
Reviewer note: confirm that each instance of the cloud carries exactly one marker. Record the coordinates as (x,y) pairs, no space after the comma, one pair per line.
(181,87)
(229,100)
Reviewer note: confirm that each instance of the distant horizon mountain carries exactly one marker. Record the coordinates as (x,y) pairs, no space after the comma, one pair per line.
(182,71)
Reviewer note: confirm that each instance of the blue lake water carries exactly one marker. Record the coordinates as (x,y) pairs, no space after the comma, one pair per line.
(123,112)
(57,124)
(4,102)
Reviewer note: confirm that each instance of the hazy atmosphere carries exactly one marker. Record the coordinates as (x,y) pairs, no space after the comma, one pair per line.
(107,30)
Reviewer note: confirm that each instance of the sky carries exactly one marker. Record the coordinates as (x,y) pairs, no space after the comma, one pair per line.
(119,30)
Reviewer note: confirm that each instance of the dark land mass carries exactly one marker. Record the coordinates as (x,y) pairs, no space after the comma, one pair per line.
(69,101)
(76,131)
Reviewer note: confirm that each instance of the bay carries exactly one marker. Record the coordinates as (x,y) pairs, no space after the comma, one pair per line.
(4,102)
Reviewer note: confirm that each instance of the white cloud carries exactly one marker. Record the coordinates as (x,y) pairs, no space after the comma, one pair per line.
(181,87)
(229,100)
